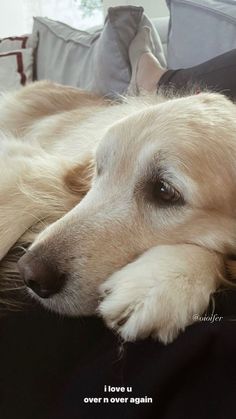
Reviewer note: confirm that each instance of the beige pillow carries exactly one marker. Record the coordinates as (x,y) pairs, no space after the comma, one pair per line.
(14,43)
(16,69)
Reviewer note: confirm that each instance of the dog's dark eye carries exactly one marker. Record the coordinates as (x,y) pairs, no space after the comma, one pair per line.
(166,193)
(162,193)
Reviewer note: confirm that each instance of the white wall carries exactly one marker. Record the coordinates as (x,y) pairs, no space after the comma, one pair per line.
(153,8)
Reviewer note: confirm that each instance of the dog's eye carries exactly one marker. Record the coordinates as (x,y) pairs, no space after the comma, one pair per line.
(162,193)
(166,192)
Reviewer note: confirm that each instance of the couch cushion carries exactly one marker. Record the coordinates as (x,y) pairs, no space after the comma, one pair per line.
(161,25)
(200,30)
(95,60)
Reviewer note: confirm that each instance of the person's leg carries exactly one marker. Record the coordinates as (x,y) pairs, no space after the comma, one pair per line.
(217,74)
(146,69)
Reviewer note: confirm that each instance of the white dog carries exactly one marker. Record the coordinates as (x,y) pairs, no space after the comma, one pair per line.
(146,246)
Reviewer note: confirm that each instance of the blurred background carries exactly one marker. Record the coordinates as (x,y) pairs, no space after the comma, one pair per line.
(16,15)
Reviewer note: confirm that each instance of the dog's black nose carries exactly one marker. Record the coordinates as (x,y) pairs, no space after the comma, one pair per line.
(40,276)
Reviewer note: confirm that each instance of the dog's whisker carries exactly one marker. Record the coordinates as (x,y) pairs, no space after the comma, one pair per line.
(12,289)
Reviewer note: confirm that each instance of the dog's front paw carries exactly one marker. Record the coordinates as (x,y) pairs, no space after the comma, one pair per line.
(159,293)
(135,304)
(130,307)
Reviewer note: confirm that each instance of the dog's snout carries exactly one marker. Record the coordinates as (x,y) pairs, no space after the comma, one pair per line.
(44,279)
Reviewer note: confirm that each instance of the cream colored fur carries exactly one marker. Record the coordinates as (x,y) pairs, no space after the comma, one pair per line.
(154,267)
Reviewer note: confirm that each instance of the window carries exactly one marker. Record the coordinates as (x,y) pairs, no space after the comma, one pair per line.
(77,13)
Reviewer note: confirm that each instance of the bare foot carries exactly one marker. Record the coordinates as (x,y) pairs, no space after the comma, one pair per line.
(146,69)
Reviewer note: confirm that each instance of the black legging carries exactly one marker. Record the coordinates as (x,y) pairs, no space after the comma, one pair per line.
(217,74)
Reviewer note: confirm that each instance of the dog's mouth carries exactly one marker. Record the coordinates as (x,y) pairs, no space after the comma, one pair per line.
(68,301)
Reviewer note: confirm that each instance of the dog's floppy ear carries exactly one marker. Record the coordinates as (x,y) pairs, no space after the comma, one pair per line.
(78,178)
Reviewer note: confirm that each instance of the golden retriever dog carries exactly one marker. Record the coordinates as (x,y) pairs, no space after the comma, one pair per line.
(146,246)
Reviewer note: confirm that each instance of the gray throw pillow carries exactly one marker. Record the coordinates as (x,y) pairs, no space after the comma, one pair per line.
(200,30)
(95,60)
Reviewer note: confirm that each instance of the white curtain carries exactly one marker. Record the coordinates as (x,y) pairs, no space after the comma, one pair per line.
(16,16)
(153,8)
(67,11)
(31,8)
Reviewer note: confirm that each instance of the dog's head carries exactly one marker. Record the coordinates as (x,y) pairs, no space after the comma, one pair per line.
(165,175)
